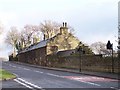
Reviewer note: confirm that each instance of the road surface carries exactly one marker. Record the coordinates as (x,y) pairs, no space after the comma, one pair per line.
(43,79)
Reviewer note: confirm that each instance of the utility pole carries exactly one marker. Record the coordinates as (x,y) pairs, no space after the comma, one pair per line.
(80,59)
(81,52)
(80,62)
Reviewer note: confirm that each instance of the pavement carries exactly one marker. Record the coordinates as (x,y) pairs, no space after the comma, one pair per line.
(98,74)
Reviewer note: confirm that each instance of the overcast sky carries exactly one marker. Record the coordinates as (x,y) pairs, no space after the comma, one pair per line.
(93,20)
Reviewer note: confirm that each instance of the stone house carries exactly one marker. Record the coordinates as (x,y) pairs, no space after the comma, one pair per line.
(37,53)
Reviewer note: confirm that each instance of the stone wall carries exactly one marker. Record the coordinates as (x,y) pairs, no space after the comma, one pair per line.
(88,62)
(36,56)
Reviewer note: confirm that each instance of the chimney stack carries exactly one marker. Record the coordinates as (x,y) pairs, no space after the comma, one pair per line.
(64,28)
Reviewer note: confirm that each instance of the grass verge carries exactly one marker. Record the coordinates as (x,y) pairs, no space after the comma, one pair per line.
(5,75)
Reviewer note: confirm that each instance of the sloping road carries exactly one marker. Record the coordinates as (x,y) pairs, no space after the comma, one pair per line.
(31,78)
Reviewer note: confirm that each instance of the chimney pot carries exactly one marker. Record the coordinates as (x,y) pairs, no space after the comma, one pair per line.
(65,24)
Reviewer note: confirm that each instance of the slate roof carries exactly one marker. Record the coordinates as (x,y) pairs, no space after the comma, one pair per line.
(39,44)
(36,46)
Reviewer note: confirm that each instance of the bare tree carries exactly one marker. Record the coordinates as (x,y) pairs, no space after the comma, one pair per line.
(12,38)
(49,28)
(99,47)
(27,34)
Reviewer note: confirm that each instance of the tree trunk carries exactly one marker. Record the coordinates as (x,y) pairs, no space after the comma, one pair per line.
(14,52)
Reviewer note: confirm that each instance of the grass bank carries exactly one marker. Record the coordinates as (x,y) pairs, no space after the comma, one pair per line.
(5,75)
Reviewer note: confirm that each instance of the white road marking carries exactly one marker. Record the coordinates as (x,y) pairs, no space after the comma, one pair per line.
(89,83)
(26,69)
(14,66)
(19,67)
(38,71)
(115,88)
(74,79)
(77,79)
(112,87)
(5,63)
(23,84)
(33,85)
(10,65)
(53,75)
(15,74)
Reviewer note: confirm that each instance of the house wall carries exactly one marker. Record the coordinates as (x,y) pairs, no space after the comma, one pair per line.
(62,43)
(36,56)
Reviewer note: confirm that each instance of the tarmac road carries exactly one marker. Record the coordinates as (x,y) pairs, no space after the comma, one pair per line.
(43,79)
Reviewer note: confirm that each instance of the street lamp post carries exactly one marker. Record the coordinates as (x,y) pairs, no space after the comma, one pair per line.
(81,51)
(80,60)
(112,60)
